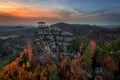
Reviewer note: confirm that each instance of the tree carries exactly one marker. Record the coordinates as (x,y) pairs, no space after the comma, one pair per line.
(87,57)
(93,47)
(42,75)
(76,44)
(28,65)
(24,66)
(110,64)
(23,60)
(116,56)
(116,45)
(102,54)
(54,73)
(29,75)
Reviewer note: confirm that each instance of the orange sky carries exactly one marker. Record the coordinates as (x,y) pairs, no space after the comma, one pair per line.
(26,11)
(72,11)
(21,10)
(18,13)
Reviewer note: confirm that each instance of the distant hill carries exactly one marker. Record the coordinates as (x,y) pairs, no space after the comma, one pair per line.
(98,33)
(111,26)
(78,29)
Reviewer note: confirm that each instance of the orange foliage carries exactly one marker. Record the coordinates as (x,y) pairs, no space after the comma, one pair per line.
(77,72)
(30,52)
(93,47)
(33,70)
(24,66)
(110,64)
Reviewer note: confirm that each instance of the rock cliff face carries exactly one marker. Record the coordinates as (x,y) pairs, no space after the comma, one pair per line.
(52,39)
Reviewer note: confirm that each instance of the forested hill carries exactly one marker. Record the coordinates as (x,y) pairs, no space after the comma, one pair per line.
(98,33)
(79,29)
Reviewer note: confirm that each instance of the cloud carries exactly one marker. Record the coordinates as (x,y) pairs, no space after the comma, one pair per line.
(57,5)
(14,3)
(63,15)
(104,18)
(101,11)
(28,12)
(11,19)
(100,16)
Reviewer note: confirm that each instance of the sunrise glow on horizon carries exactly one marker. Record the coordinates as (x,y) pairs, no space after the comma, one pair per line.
(74,11)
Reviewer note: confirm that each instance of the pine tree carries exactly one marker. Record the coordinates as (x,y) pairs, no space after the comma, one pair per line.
(54,73)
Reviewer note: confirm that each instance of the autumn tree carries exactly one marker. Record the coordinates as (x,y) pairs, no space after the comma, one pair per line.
(23,60)
(54,73)
(111,65)
(87,57)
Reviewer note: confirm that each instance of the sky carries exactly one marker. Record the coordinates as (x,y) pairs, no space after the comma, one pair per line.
(99,12)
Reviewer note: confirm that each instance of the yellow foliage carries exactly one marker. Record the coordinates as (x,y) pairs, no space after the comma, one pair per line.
(29,74)
(41,75)
(45,78)
(28,64)
(24,66)
(1,75)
